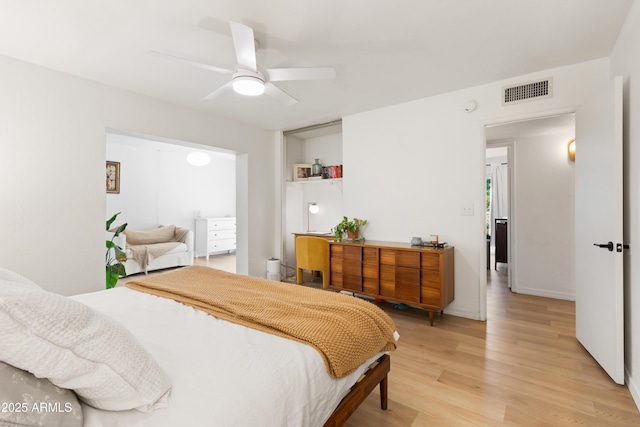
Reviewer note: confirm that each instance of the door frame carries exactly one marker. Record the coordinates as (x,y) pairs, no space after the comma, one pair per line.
(512,220)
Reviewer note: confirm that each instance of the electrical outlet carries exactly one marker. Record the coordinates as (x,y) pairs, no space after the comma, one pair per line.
(467,209)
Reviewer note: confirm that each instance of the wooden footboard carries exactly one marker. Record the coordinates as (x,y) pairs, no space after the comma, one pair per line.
(359,392)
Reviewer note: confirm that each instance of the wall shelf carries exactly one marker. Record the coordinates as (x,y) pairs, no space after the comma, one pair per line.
(315,181)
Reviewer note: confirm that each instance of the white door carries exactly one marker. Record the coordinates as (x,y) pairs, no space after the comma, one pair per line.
(598,214)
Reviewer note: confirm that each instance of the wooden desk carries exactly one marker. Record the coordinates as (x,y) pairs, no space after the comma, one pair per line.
(399,272)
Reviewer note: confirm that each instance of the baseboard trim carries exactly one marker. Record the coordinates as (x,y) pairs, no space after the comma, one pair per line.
(462,313)
(633,388)
(547,294)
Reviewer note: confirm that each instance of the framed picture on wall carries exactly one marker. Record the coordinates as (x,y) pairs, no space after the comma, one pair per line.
(301,171)
(113,177)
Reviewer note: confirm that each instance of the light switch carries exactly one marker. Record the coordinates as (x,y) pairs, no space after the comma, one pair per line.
(466,209)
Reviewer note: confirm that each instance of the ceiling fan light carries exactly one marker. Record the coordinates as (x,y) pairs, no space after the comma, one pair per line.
(248,85)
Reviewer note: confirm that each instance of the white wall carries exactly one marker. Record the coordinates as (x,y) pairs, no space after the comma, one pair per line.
(544,205)
(412,166)
(625,61)
(158,186)
(52,191)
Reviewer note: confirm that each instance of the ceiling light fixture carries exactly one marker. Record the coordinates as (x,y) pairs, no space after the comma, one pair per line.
(250,83)
(198,158)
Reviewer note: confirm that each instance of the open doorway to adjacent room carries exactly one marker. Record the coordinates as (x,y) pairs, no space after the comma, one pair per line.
(160,184)
(497,209)
(539,207)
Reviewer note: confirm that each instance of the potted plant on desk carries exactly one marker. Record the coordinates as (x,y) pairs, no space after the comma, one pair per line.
(349,227)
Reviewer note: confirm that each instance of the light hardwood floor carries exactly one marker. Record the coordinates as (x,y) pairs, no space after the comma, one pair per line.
(523,367)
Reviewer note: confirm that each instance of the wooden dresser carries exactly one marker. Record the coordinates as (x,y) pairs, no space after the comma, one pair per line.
(398,272)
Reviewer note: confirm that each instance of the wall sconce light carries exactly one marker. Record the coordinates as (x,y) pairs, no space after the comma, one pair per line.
(313,208)
(571,147)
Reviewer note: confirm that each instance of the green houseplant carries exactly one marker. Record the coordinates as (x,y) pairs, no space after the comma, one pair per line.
(349,227)
(115,256)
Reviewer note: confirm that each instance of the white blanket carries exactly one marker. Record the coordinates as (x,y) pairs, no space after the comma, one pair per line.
(266,380)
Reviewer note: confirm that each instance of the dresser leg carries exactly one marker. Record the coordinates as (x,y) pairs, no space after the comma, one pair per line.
(431,317)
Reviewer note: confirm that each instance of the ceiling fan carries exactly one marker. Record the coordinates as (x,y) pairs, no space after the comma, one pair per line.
(248,78)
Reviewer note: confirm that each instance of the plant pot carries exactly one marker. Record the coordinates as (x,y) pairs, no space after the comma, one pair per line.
(353,235)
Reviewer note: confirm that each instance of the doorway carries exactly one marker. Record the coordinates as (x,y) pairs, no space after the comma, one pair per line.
(540,236)
(161,186)
(498,184)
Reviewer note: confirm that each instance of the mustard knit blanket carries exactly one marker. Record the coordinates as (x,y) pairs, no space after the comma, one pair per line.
(345,330)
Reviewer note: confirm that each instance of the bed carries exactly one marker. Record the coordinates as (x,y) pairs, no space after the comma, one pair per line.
(206,370)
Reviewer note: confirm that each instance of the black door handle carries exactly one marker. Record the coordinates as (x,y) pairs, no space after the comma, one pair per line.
(608,245)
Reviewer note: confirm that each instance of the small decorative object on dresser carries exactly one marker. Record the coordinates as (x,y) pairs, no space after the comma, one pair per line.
(215,235)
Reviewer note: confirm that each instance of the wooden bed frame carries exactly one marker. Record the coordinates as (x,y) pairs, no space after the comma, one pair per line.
(377,374)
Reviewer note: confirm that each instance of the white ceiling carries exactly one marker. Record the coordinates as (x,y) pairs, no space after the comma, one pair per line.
(385,52)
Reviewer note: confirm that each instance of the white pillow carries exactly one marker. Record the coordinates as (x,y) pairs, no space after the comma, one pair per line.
(77,348)
(10,276)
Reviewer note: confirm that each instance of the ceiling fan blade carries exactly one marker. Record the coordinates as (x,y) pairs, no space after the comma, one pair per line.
(280,74)
(276,92)
(190,62)
(227,87)
(245,45)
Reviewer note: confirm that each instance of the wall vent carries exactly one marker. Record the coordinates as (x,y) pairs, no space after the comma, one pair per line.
(527,91)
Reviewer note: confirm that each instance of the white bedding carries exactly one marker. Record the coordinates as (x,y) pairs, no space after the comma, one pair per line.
(223,374)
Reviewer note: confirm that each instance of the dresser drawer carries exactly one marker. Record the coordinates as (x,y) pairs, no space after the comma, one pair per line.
(222,245)
(387,256)
(222,234)
(430,261)
(353,253)
(353,283)
(222,225)
(408,259)
(353,268)
(407,292)
(431,297)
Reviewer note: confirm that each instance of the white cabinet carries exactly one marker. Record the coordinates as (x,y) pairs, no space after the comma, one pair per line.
(215,235)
